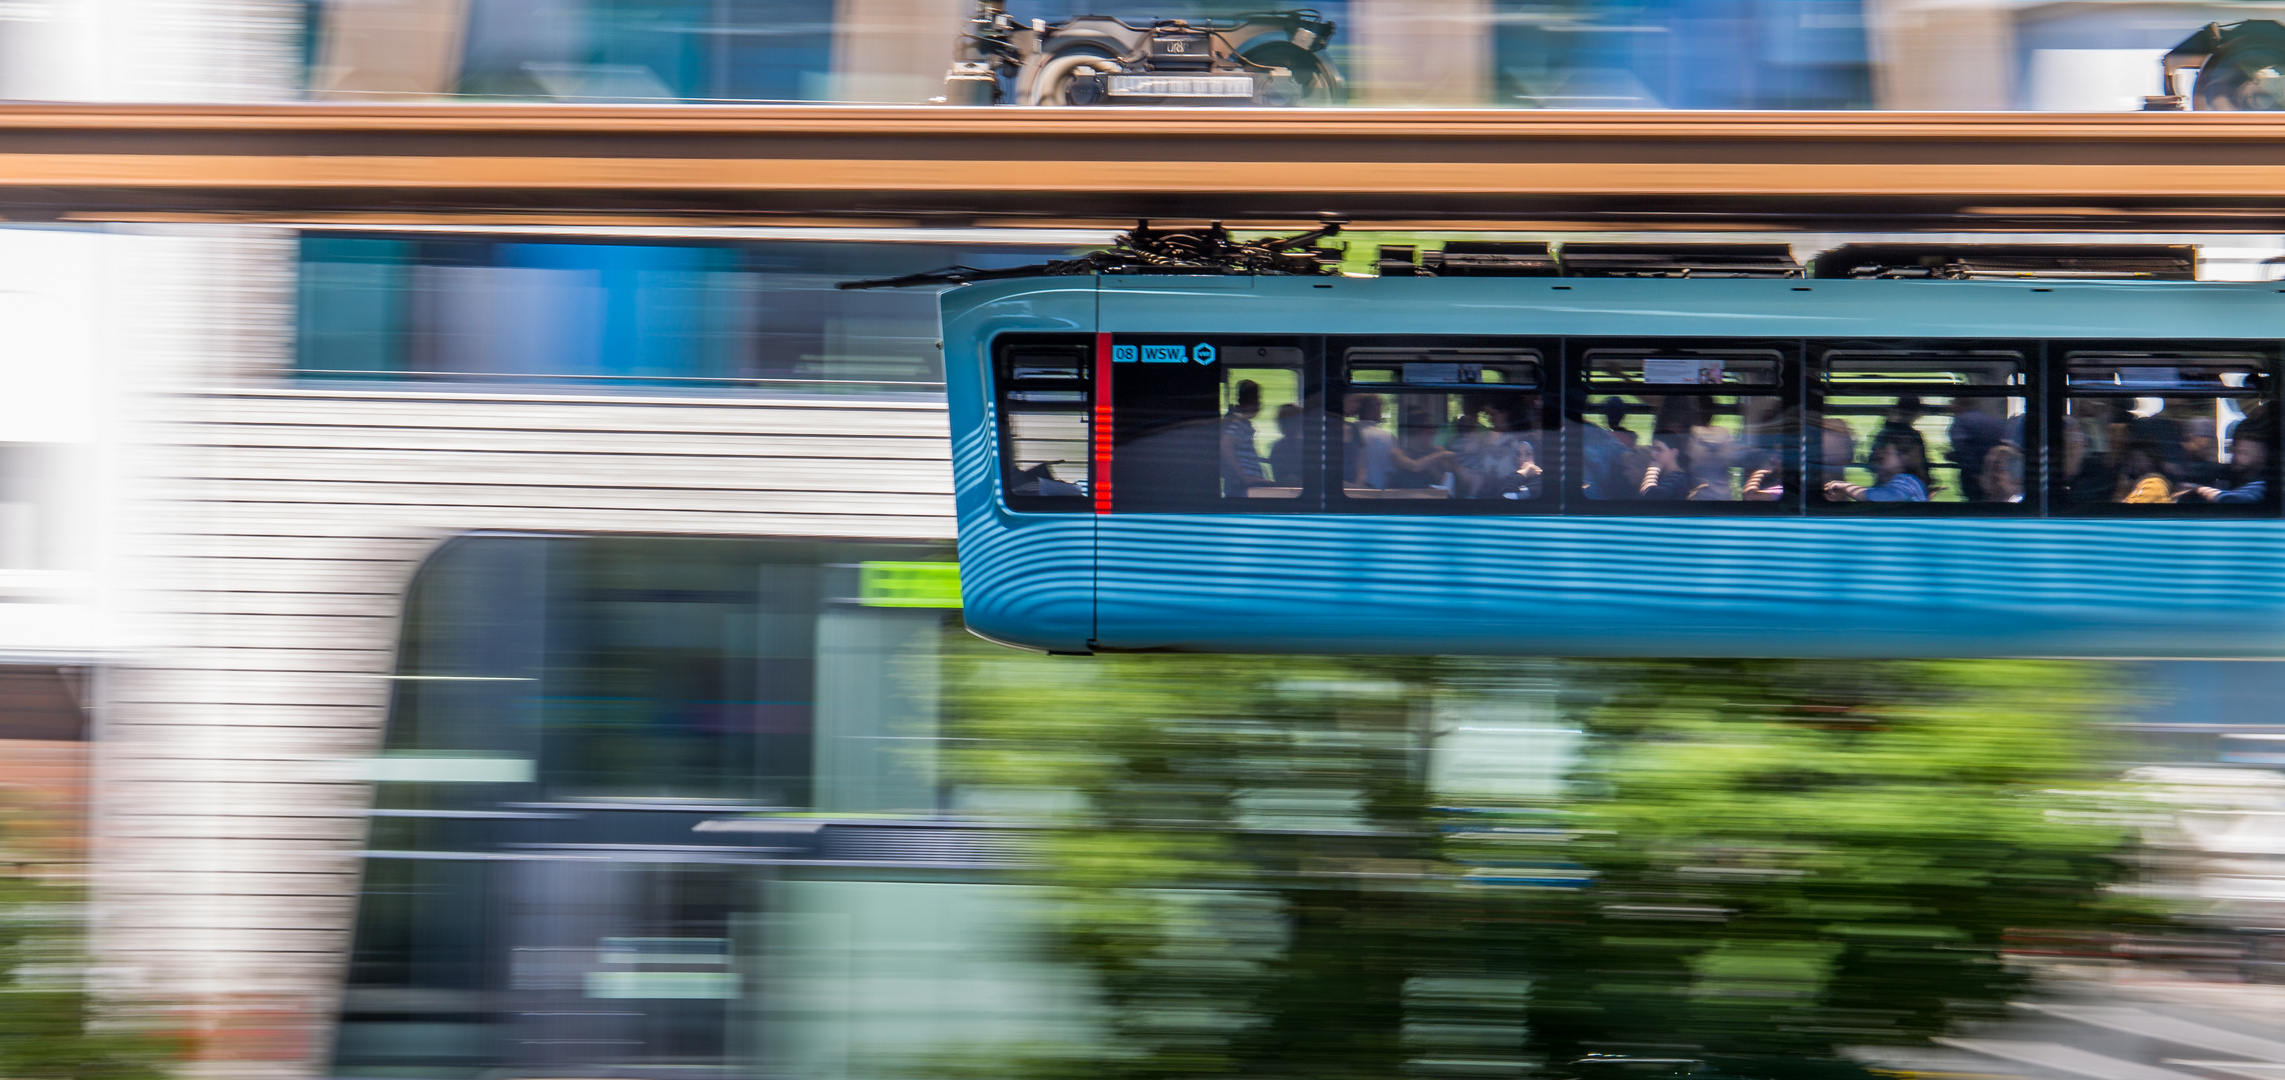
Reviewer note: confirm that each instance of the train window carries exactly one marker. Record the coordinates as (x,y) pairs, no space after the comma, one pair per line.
(1213,424)
(1259,443)
(1680,424)
(2145,430)
(1440,425)
(1908,429)
(1045,407)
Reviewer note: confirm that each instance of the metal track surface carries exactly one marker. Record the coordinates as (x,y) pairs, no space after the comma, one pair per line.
(916,163)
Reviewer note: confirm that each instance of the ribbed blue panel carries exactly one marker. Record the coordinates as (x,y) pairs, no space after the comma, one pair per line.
(1025,579)
(1691,587)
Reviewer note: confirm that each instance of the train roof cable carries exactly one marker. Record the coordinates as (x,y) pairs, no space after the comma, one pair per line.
(1144,250)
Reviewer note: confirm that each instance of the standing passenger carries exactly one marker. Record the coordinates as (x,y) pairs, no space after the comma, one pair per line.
(1365,444)
(1242,468)
(1974,434)
(1285,453)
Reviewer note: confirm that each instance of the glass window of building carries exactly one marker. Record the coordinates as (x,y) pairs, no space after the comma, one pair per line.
(640,316)
(668,807)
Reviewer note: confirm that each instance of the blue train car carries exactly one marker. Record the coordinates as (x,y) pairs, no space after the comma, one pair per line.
(1619,466)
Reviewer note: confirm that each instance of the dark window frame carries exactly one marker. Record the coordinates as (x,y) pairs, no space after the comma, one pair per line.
(2268,356)
(1582,389)
(1333,464)
(1817,353)
(1312,393)
(1004,385)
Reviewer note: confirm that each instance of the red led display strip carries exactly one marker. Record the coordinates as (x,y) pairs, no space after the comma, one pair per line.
(1101,484)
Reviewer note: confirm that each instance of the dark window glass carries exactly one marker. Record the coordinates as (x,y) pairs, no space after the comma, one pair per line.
(1213,423)
(1659,424)
(542,894)
(1045,409)
(1424,426)
(2143,430)
(1912,429)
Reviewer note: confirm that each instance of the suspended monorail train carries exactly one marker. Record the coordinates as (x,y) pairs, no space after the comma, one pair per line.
(1641,466)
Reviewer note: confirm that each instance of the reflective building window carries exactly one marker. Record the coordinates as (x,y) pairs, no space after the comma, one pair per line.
(668,807)
(643,316)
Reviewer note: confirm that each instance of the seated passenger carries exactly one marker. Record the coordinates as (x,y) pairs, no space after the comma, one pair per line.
(2248,463)
(1765,480)
(1285,453)
(1040,480)
(1668,476)
(2200,465)
(1242,467)
(1495,459)
(1837,448)
(1710,452)
(1894,480)
(2141,475)
(2001,478)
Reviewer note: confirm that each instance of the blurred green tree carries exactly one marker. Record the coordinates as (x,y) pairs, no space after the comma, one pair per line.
(1789,858)
(47,1020)
(1765,860)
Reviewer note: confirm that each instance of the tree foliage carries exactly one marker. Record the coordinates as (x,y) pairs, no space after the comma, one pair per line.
(1770,860)
(47,1020)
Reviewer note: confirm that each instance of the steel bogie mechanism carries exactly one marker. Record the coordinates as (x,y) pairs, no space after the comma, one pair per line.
(1272,58)
(2240,66)
(1212,250)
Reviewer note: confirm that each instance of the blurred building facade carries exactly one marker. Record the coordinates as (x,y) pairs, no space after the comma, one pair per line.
(229,451)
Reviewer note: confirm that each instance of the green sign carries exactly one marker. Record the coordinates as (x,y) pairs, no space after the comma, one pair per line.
(909,584)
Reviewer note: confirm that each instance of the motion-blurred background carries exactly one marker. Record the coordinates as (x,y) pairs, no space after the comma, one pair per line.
(483,649)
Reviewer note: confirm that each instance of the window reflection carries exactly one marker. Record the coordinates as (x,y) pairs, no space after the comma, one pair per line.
(1044,399)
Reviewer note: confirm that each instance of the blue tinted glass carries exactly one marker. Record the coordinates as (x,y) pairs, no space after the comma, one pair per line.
(638,317)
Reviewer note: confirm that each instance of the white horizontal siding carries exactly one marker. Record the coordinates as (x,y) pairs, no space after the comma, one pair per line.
(272,531)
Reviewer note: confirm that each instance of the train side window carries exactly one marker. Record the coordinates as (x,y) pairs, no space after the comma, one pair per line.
(1918,429)
(2167,430)
(1213,424)
(1675,423)
(1428,427)
(1259,443)
(1045,404)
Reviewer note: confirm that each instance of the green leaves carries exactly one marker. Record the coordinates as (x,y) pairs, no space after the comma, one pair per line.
(1747,860)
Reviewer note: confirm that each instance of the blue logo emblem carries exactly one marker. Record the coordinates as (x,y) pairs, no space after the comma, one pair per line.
(1122,354)
(1163,354)
(1203,353)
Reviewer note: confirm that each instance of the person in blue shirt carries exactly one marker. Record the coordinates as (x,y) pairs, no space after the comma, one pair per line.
(2248,461)
(1894,480)
(1242,465)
